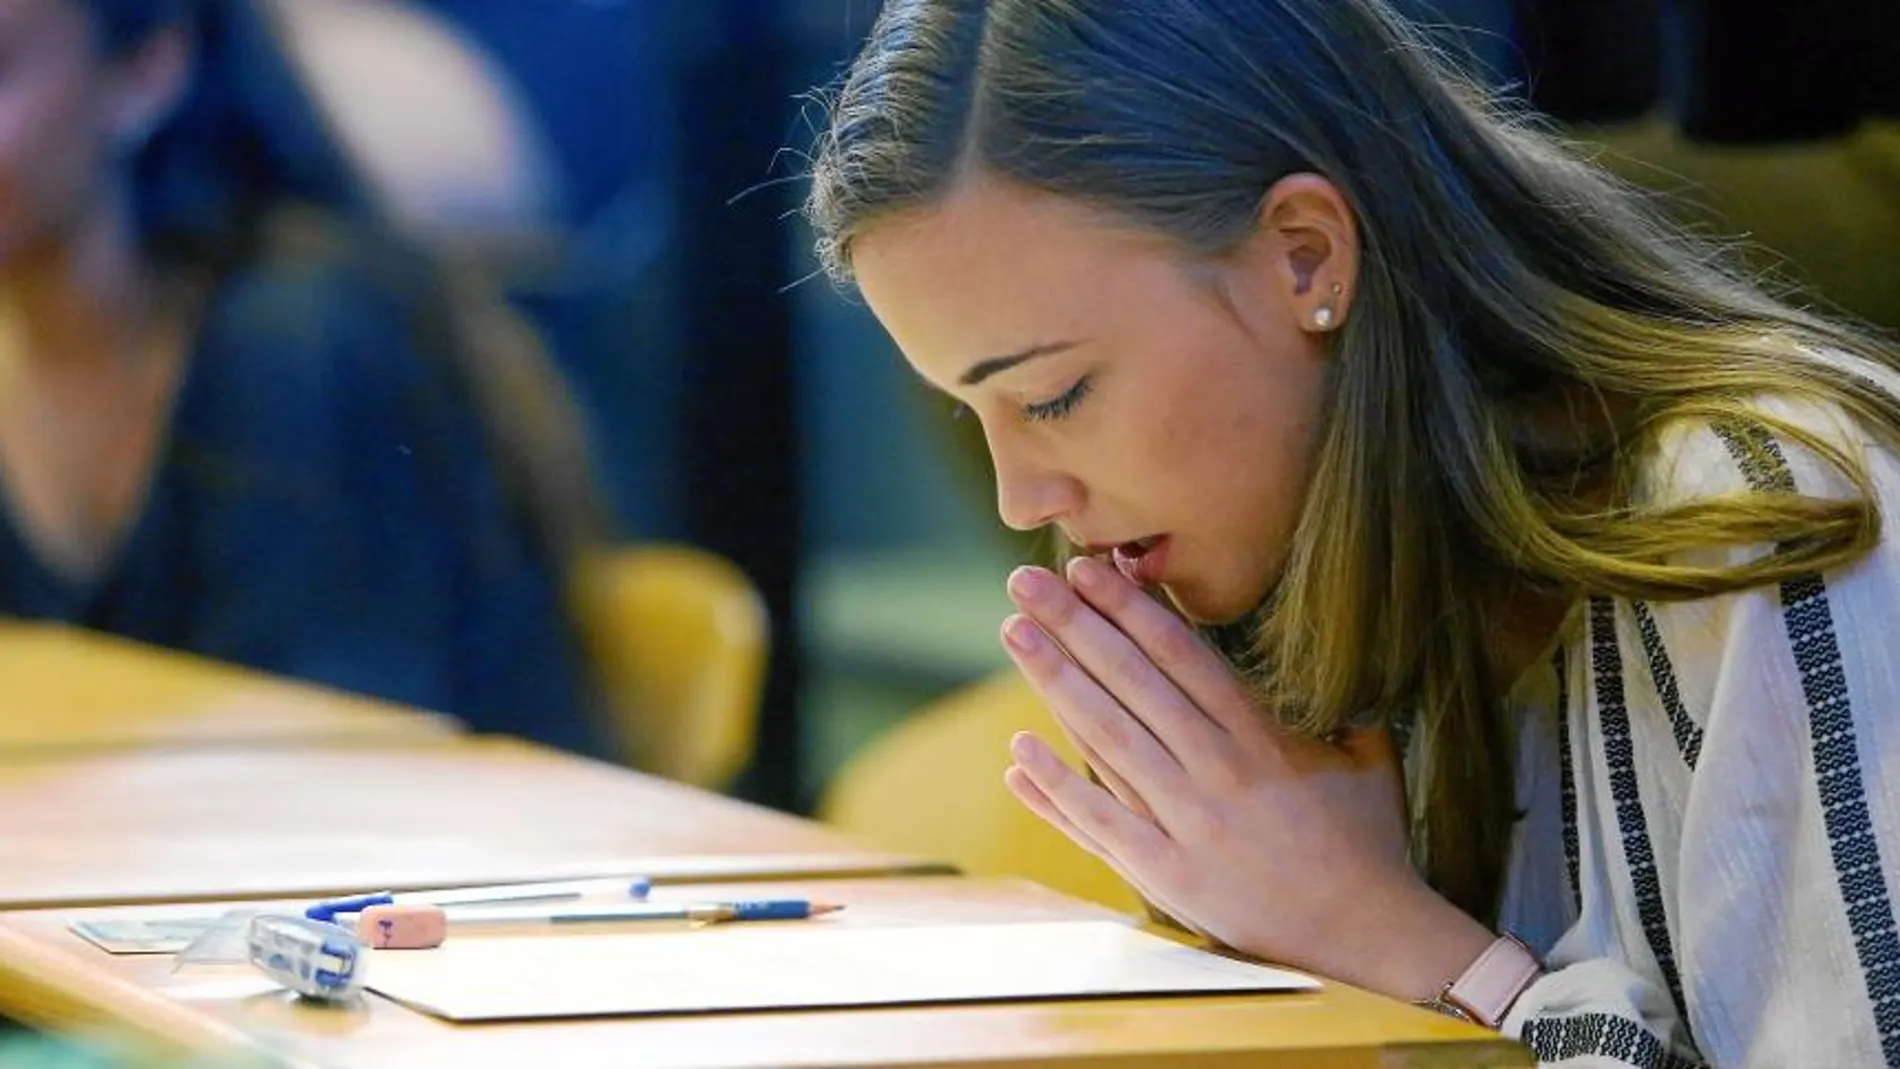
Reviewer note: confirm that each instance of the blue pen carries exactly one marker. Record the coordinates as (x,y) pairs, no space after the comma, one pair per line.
(413,927)
(634,887)
(762,909)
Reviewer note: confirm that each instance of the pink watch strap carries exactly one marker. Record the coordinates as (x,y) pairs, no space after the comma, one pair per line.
(1492,984)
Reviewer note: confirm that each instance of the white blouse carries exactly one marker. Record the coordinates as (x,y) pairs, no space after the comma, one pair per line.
(1711,843)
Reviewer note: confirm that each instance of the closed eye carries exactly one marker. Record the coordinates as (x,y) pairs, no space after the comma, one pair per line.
(1058,407)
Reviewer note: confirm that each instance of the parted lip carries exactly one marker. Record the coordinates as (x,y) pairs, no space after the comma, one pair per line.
(1102,549)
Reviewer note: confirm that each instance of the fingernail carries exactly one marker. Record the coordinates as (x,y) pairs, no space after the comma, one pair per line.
(1032,584)
(1087,574)
(1022,634)
(1024,750)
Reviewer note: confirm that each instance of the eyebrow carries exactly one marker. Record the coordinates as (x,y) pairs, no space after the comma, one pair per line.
(995,365)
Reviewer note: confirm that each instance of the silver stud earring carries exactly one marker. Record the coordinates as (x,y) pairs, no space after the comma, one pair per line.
(1323,315)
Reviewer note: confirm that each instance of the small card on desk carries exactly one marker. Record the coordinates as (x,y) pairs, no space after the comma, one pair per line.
(135,935)
(808,965)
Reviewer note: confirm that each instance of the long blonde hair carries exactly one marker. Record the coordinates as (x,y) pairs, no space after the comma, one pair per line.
(1524,328)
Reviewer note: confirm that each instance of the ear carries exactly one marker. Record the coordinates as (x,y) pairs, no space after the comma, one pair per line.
(148,86)
(1311,237)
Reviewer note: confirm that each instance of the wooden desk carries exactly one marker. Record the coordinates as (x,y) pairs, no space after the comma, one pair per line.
(219,824)
(63,689)
(49,976)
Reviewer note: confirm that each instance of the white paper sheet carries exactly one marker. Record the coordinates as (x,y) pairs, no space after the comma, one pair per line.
(799,964)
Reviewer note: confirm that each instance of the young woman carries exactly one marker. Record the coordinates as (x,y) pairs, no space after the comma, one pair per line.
(228,429)
(1537,558)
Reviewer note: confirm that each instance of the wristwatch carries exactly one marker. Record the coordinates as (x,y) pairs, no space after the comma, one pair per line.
(1484,993)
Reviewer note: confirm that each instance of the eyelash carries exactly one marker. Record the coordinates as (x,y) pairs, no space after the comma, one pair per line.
(1057,408)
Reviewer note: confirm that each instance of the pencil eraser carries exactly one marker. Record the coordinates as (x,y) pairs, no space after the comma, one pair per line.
(398,927)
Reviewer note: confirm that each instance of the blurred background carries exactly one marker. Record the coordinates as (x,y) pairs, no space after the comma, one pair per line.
(628,172)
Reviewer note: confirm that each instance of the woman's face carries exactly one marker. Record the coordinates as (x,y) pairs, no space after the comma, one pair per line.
(65,110)
(1161,408)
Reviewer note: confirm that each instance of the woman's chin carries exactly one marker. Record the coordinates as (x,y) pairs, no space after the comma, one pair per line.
(1201,610)
(1217,604)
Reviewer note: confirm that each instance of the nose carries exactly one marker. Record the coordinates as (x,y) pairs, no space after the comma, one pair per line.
(1030,495)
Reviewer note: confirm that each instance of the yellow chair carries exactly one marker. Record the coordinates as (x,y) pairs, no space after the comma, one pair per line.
(679,636)
(933,786)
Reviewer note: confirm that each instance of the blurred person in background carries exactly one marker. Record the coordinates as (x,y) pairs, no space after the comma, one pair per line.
(234,425)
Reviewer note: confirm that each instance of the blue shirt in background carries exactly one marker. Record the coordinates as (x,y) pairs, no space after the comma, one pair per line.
(324,509)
